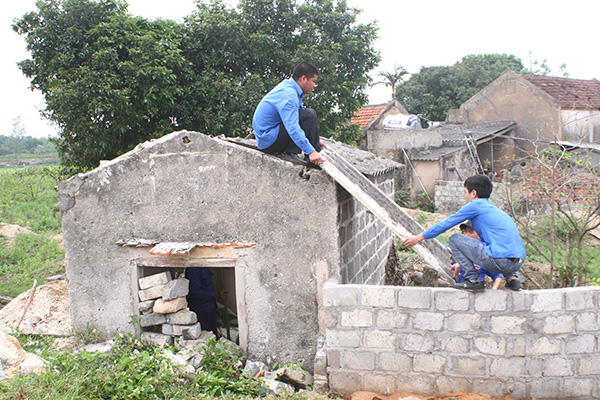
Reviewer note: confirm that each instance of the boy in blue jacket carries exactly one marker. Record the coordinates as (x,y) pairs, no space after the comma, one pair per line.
(500,249)
(459,274)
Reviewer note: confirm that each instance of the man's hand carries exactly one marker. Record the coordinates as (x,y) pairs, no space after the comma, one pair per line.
(412,240)
(322,144)
(316,158)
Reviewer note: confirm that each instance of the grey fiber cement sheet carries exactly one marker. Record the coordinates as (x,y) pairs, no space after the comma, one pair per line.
(431,251)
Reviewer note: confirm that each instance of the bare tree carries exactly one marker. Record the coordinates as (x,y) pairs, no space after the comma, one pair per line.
(18,132)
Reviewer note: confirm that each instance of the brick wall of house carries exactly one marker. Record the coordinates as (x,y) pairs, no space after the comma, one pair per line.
(538,181)
(531,344)
(365,240)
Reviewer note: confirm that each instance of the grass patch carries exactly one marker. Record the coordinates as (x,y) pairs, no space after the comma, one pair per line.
(32,256)
(132,370)
(28,198)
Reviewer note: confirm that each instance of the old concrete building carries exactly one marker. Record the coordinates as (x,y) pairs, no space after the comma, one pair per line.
(546,109)
(446,151)
(279,230)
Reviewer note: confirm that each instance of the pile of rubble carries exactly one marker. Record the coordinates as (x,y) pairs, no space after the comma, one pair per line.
(163,309)
(14,360)
(48,312)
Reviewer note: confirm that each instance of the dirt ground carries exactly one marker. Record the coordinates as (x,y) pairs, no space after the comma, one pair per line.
(9,231)
(49,312)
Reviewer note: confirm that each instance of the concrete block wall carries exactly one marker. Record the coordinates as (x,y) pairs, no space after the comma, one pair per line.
(531,344)
(365,240)
(449,196)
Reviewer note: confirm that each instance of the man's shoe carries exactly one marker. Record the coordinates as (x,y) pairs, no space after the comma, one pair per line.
(514,284)
(468,285)
(310,163)
(292,157)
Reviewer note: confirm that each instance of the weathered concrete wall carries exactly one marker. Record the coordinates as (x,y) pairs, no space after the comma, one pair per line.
(393,140)
(530,344)
(510,97)
(581,125)
(188,187)
(366,241)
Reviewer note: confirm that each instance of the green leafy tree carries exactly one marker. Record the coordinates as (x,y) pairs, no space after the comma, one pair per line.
(112,80)
(435,90)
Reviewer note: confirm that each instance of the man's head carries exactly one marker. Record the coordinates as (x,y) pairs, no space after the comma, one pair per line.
(478,187)
(305,74)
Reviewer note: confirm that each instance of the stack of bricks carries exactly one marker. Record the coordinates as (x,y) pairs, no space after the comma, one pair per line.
(163,309)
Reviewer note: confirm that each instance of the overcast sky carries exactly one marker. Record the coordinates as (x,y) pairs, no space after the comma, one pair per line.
(412,34)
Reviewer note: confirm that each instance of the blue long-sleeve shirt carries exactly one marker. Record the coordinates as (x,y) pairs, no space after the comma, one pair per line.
(495,228)
(280,105)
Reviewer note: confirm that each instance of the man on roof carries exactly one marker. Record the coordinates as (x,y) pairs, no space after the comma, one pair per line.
(282,126)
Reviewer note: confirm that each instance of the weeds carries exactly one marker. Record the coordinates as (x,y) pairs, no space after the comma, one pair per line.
(32,256)
(132,370)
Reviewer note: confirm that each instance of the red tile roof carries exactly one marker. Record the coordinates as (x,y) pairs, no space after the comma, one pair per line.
(569,93)
(364,115)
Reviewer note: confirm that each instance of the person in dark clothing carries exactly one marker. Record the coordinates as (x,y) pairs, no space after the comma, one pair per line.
(202,297)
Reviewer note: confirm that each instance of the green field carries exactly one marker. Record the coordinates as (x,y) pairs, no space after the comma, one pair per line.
(28,199)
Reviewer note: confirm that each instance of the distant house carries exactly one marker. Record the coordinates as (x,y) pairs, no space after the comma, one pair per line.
(370,118)
(546,109)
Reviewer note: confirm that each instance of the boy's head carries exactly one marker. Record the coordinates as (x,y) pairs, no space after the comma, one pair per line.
(481,184)
(467,229)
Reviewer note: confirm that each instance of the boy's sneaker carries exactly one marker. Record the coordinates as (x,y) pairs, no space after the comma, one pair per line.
(514,284)
(468,285)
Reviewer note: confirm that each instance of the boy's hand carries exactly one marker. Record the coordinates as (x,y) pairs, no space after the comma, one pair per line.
(412,240)
(456,269)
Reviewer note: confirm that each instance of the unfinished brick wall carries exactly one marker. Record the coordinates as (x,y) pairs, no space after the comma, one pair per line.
(530,344)
(365,240)
(537,182)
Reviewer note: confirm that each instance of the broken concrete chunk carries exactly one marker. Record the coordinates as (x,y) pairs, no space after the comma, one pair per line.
(32,365)
(152,319)
(297,376)
(192,332)
(105,347)
(182,317)
(176,288)
(176,359)
(154,280)
(196,344)
(173,330)
(157,338)
(274,388)
(151,293)
(252,368)
(169,306)
(146,306)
